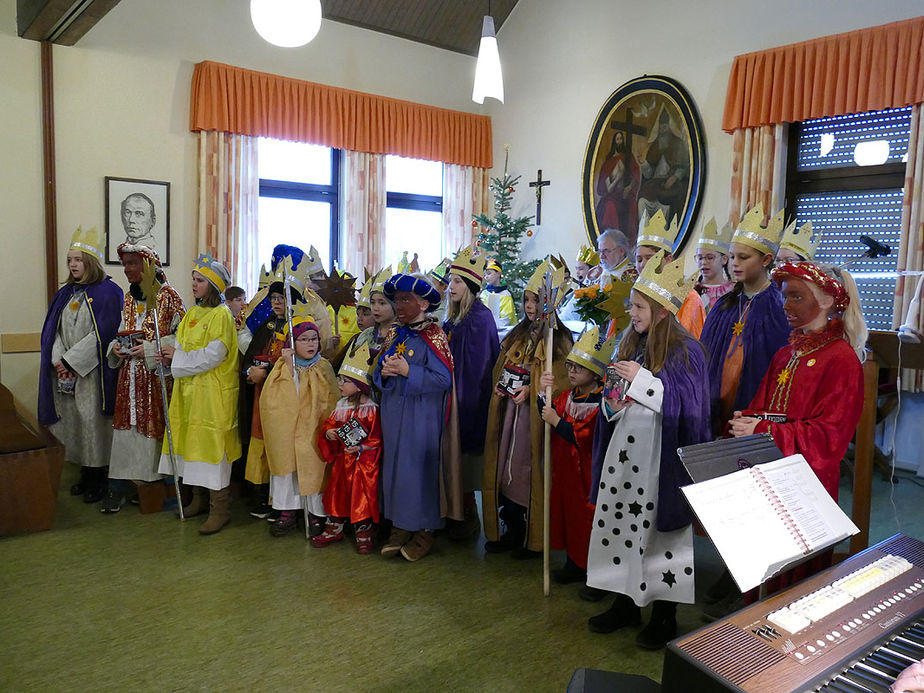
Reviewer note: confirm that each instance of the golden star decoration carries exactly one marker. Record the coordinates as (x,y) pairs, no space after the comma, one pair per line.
(617,294)
(783,377)
(738,328)
(400,349)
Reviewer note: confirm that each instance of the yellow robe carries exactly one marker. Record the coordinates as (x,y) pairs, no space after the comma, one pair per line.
(516,353)
(203,408)
(290,423)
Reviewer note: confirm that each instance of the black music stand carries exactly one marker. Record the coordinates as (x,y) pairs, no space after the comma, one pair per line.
(706,461)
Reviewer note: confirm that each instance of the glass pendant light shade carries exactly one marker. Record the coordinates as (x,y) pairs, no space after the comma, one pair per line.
(286,23)
(489,82)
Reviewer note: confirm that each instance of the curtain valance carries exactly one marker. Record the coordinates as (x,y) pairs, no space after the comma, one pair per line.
(857,71)
(232,99)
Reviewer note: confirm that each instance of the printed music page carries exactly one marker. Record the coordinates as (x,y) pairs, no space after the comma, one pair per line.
(765,518)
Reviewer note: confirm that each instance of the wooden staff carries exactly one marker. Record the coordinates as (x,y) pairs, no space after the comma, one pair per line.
(547,464)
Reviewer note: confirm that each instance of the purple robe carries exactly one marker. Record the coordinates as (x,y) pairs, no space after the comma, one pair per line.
(413,413)
(766,331)
(475,348)
(105,303)
(685,421)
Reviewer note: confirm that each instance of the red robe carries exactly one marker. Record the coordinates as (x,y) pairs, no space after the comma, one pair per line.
(571,513)
(353,488)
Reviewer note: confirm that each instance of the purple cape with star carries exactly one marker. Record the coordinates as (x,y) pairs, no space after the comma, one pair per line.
(765,332)
(475,348)
(106,297)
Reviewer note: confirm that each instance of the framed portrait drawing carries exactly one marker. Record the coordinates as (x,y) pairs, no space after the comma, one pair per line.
(645,152)
(137,211)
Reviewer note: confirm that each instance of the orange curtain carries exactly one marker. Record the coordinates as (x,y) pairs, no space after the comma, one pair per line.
(246,102)
(363,230)
(465,194)
(758,169)
(858,71)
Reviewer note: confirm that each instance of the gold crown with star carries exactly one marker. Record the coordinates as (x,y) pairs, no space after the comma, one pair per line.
(658,234)
(667,285)
(265,278)
(714,239)
(588,256)
(378,282)
(801,240)
(356,365)
(294,275)
(752,232)
(547,278)
(468,265)
(365,293)
(311,264)
(589,352)
(88,241)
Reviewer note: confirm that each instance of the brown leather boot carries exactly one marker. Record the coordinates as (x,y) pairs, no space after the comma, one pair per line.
(219,511)
(199,503)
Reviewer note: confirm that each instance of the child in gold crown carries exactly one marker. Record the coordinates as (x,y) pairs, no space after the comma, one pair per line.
(351,443)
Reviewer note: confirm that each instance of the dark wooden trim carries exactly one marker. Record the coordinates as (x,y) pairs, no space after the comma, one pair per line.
(63,22)
(48,165)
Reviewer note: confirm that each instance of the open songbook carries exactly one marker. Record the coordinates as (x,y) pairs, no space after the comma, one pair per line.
(767,518)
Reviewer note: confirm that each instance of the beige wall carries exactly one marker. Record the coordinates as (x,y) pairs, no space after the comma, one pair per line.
(562,60)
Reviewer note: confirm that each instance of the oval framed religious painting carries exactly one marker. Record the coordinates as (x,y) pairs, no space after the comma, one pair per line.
(645,153)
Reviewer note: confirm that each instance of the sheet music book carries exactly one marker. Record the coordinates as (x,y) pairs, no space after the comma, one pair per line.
(765,519)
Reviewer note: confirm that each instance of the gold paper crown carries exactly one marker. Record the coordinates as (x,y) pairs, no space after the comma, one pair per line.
(713,239)
(535,282)
(439,273)
(88,241)
(311,263)
(665,285)
(365,293)
(468,265)
(295,275)
(753,233)
(204,265)
(801,241)
(658,234)
(494,265)
(588,256)
(356,365)
(378,282)
(589,353)
(265,278)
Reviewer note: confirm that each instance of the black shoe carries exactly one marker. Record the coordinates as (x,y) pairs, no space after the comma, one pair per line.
(523,554)
(273,515)
(94,494)
(316,525)
(262,511)
(83,483)
(568,573)
(505,543)
(112,502)
(657,633)
(591,594)
(622,613)
(288,520)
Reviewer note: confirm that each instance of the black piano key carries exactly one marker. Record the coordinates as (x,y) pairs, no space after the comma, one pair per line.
(848,685)
(900,656)
(917,629)
(911,644)
(863,679)
(881,663)
(875,674)
(914,637)
(904,649)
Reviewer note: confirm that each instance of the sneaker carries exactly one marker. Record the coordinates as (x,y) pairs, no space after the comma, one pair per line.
(316,525)
(396,541)
(273,515)
(419,545)
(262,511)
(112,502)
(365,534)
(333,531)
(288,520)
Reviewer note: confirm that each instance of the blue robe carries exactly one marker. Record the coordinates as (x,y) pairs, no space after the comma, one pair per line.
(475,348)
(413,414)
(766,331)
(105,301)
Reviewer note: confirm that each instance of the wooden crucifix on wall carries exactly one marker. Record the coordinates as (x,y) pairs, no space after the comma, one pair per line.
(539,184)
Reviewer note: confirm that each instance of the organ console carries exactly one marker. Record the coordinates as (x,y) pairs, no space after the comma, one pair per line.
(849,629)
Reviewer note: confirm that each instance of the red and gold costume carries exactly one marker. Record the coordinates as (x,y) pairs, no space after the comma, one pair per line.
(571,513)
(353,488)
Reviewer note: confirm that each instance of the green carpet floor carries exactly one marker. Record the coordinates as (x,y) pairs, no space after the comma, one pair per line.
(143,603)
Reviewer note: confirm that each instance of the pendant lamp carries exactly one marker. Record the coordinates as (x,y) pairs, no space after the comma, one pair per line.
(489,82)
(286,23)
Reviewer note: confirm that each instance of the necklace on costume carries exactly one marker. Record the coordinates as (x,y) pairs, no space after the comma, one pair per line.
(804,344)
(738,327)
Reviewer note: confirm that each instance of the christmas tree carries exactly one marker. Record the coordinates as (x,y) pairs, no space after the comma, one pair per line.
(501,237)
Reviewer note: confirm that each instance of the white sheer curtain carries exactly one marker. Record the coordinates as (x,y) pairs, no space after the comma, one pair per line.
(465,193)
(362,230)
(229,192)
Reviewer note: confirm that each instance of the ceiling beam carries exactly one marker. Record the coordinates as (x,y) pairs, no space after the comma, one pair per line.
(63,22)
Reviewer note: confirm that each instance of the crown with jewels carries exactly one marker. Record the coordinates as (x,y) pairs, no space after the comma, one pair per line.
(468,265)
(666,285)
(801,241)
(588,256)
(88,241)
(713,239)
(356,365)
(210,268)
(753,233)
(658,234)
(440,273)
(365,293)
(590,353)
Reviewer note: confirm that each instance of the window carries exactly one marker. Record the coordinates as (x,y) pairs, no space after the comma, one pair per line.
(414,214)
(299,195)
(846,175)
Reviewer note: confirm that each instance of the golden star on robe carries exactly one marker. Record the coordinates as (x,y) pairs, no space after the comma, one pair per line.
(783,377)
(738,328)
(400,349)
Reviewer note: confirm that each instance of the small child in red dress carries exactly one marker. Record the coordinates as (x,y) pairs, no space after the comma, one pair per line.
(351,443)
